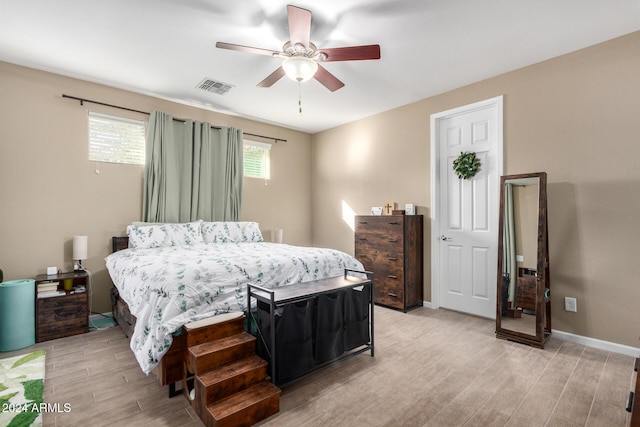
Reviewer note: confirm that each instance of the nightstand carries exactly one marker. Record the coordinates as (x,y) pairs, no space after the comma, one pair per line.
(65,314)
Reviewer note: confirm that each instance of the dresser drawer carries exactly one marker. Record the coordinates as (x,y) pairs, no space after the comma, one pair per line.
(384,265)
(382,227)
(366,242)
(389,277)
(389,291)
(366,258)
(374,260)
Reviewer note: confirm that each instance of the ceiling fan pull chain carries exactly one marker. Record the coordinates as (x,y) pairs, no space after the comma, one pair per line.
(299,97)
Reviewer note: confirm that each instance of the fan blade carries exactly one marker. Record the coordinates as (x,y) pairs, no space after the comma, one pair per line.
(299,25)
(352,53)
(272,78)
(247,49)
(329,81)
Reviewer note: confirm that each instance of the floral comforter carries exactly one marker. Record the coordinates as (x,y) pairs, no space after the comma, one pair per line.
(168,287)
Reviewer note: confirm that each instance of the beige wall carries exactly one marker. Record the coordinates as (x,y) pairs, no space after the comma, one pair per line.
(577,117)
(50,192)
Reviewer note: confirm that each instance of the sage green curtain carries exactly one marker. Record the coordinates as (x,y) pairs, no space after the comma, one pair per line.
(192,171)
(509,242)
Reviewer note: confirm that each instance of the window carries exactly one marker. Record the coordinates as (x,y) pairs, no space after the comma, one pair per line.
(116,139)
(256,159)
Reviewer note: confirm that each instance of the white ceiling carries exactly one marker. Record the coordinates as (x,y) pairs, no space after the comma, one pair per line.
(166,48)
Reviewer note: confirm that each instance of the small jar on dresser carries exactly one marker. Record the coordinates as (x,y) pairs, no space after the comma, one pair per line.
(391,247)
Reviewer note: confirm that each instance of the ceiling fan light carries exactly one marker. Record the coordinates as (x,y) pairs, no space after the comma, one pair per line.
(299,68)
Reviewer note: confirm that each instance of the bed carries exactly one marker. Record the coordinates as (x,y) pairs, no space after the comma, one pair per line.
(167,275)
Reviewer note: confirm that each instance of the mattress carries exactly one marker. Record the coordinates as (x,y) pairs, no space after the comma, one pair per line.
(170,286)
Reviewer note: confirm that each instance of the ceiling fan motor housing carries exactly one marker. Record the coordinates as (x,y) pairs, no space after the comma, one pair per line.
(301,57)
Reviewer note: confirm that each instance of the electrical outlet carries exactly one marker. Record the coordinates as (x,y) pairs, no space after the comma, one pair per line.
(570,304)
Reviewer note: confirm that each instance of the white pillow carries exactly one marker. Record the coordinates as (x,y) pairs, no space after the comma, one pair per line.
(156,236)
(231,232)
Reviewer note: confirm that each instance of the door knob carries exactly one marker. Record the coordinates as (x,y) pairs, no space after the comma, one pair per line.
(445,238)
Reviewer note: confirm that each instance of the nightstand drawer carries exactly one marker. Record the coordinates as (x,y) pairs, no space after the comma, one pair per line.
(62,316)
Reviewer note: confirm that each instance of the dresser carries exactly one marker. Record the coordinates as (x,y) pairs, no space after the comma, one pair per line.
(391,247)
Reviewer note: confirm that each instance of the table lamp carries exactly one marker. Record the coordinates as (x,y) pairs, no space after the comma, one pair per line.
(79,252)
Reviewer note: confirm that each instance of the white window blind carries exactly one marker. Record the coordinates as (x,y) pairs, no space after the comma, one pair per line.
(256,159)
(116,139)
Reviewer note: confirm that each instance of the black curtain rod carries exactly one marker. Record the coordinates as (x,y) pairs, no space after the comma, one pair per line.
(83,100)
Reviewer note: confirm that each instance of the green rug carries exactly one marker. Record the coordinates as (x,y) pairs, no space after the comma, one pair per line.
(22,390)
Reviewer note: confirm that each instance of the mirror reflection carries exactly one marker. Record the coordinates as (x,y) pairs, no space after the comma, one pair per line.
(520,255)
(523,312)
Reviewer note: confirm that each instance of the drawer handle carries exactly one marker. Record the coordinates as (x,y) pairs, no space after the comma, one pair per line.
(393,240)
(362,238)
(364,222)
(392,295)
(394,223)
(391,276)
(630,402)
(392,258)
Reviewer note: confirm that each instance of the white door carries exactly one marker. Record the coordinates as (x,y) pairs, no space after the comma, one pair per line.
(465,226)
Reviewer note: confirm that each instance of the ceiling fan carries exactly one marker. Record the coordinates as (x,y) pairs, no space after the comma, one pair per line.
(301,58)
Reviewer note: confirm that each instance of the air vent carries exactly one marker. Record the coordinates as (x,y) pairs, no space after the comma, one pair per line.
(214,86)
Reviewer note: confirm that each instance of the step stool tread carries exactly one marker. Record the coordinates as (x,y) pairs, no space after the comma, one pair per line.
(213,320)
(232,369)
(221,344)
(207,330)
(243,400)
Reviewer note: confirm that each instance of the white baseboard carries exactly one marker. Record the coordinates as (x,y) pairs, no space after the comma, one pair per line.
(596,343)
(579,339)
(427,304)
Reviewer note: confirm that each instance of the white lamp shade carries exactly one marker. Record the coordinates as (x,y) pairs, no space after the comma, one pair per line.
(80,247)
(299,68)
(277,235)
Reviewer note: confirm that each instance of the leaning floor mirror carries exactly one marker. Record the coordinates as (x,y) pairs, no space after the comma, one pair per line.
(523,288)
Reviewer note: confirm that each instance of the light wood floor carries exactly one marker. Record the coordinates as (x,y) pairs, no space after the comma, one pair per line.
(431,368)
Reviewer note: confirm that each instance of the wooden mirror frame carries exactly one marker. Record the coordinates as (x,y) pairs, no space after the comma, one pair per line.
(542,304)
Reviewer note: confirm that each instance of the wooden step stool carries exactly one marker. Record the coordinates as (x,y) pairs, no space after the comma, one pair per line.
(230,386)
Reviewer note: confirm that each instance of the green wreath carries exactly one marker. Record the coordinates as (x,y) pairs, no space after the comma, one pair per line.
(466,165)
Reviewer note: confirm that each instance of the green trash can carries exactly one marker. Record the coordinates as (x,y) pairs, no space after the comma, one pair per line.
(17,314)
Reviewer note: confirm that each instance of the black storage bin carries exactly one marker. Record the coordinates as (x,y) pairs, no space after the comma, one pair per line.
(356,317)
(329,321)
(294,338)
(264,326)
